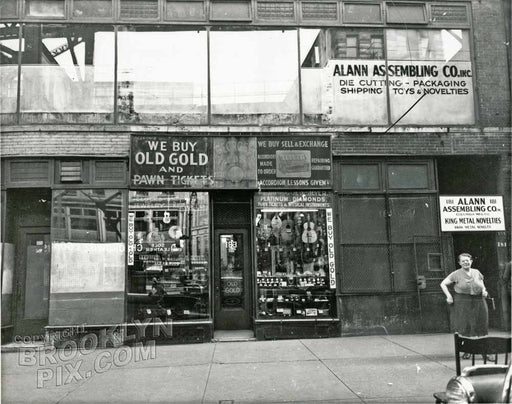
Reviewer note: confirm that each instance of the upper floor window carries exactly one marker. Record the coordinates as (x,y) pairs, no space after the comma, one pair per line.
(425,78)
(162,76)
(67,74)
(254,77)
(9,51)
(183,76)
(334,64)
(436,66)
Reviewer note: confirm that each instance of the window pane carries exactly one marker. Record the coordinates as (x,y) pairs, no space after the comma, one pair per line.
(185,10)
(406,13)
(88,256)
(88,215)
(232,271)
(365,13)
(363,220)
(434,65)
(7,266)
(45,8)
(412,216)
(254,77)
(162,76)
(168,256)
(230,10)
(365,269)
(360,177)
(92,8)
(9,50)
(420,44)
(292,264)
(9,8)
(67,74)
(408,176)
(342,78)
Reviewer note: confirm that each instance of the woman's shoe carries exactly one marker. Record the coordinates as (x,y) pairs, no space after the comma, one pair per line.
(466,356)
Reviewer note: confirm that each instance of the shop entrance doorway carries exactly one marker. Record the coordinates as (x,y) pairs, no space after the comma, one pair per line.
(232,280)
(475,175)
(32,303)
(232,264)
(28,228)
(482,248)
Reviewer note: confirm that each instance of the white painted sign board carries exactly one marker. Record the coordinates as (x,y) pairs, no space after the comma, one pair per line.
(471,213)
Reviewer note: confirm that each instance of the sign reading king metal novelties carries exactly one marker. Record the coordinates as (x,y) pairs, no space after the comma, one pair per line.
(294,162)
(471,213)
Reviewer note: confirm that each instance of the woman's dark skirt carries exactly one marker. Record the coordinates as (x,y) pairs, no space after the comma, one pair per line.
(471,318)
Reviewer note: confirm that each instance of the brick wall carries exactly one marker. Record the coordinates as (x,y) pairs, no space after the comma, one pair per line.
(51,144)
(470,141)
(491,66)
(404,142)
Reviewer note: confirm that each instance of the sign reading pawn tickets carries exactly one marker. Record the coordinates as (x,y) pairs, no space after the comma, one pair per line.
(471,213)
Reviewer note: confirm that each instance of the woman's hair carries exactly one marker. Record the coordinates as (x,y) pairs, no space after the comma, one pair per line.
(465,255)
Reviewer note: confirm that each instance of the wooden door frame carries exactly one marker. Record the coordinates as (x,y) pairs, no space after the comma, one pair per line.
(21,325)
(248,273)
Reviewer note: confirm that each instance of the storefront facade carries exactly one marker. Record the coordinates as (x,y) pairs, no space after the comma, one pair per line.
(277,167)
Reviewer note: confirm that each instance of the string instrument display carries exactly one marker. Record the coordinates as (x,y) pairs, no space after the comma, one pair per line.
(276,230)
(292,264)
(309,235)
(276,223)
(265,227)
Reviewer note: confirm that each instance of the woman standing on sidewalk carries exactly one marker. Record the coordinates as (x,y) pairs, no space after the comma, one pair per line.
(470,314)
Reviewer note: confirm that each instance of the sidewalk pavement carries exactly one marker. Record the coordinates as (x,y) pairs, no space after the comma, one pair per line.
(368,369)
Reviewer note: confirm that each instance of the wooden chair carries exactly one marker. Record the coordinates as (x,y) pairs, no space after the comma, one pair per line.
(479,349)
(482,347)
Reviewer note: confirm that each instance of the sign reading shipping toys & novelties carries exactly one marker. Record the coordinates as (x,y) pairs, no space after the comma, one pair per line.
(471,213)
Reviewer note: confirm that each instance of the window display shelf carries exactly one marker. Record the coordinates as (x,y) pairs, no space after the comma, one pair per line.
(292,274)
(296,301)
(169,269)
(292,281)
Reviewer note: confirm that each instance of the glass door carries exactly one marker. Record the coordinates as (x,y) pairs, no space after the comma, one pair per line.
(233,303)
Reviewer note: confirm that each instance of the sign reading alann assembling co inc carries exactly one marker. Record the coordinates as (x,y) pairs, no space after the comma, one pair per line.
(471,213)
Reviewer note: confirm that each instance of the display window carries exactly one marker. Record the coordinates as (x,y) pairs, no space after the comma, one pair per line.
(168,256)
(88,253)
(296,275)
(88,215)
